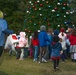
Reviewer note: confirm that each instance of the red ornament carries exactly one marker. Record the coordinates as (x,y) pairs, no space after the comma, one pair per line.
(35,2)
(55,8)
(64,4)
(41,5)
(48,24)
(33,6)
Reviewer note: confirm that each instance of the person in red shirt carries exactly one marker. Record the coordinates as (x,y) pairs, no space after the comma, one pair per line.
(35,43)
(72,39)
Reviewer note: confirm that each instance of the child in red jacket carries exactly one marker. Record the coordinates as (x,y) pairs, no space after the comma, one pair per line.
(35,44)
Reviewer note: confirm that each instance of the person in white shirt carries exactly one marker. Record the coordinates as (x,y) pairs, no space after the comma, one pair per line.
(62,35)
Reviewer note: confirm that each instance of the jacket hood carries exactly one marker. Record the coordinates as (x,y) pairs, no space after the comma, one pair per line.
(22,34)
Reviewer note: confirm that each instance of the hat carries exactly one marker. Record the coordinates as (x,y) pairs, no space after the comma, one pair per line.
(42,28)
(62,30)
(56,32)
(1,14)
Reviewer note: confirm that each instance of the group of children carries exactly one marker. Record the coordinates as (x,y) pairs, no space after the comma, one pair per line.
(43,45)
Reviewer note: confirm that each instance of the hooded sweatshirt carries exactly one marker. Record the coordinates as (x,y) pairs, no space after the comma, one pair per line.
(22,40)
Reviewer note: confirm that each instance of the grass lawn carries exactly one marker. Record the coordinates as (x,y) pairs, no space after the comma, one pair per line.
(10,66)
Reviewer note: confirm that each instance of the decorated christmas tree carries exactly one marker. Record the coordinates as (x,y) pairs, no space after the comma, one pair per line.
(51,13)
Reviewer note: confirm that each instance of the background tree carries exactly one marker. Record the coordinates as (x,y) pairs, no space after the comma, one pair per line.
(72,4)
(14,13)
(51,13)
(29,15)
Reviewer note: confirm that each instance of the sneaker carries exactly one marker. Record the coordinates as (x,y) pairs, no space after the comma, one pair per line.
(43,60)
(21,59)
(39,62)
(57,68)
(34,60)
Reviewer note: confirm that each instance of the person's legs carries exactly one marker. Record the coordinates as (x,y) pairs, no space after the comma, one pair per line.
(26,53)
(50,52)
(54,65)
(10,52)
(35,53)
(62,56)
(22,54)
(45,52)
(1,50)
(57,65)
(31,52)
(72,56)
(46,55)
(65,55)
(40,54)
(18,51)
(68,51)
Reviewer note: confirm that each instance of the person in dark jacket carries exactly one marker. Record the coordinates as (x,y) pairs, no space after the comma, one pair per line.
(3,31)
(56,50)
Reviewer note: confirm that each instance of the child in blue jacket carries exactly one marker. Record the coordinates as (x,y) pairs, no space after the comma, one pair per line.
(56,50)
(43,38)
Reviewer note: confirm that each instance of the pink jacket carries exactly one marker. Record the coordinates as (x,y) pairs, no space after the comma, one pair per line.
(22,40)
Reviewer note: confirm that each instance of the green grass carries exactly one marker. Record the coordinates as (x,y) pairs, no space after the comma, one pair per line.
(10,66)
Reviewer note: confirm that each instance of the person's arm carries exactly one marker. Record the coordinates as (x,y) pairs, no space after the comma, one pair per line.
(7,31)
(5,28)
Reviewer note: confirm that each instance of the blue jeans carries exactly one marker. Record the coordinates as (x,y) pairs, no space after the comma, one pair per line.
(10,52)
(35,52)
(26,52)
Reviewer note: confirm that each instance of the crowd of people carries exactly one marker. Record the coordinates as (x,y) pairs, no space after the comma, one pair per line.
(42,46)
(54,45)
